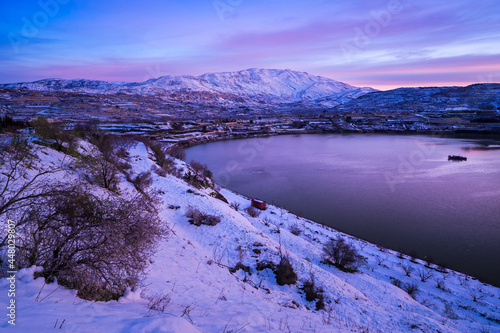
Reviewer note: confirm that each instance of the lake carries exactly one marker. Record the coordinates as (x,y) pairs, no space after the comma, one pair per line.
(400,192)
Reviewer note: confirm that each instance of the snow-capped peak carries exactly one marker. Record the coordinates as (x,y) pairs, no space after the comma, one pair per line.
(271,85)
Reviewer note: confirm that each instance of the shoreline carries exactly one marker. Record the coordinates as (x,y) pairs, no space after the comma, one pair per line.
(191,142)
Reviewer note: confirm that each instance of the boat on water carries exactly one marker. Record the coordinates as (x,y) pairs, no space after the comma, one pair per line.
(456,158)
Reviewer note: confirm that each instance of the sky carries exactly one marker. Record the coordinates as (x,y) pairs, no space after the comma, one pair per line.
(382,44)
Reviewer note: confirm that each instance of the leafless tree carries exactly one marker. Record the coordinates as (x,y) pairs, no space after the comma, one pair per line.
(53,133)
(99,246)
(22,179)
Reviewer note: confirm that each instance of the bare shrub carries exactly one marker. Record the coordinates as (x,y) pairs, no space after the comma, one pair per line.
(167,164)
(407,268)
(239,265)
(122,152)
(98,246)
(18,186)
(252,212)
(143,181)
(397,283)
(342,253)
(313,292)
(441,285)
(201,168)
(53,133)
(265,264)
(424,274)
(178,153)
(476,294)
(285,274)
(101,170)
(235,206)
(295,229)
(449,312)
(199,176)
(412,289)
(101,165)
(159,302)
(198,218)
(379,260)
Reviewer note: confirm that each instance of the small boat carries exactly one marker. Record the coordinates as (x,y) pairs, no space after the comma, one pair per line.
(456,158)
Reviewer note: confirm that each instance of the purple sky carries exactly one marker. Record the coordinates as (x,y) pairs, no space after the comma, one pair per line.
(382,44)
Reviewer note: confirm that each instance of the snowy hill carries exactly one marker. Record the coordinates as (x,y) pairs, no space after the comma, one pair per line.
(474,97)
(190,286)
(268,85)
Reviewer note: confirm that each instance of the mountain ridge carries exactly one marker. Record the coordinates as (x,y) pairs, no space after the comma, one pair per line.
(479,96)
(268,85)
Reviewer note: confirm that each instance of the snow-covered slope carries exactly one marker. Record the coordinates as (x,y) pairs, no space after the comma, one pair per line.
(190,272)
(484,96)
(271,85)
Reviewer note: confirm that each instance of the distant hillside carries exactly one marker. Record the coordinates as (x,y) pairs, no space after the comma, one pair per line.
(474,97)
(264,85)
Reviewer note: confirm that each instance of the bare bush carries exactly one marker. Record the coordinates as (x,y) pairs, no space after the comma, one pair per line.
(412,289)
(198,218)
(101,170)
(440,285)
(252,212)
(397,283)
(379,260)
(122,152)
(449,312)
(53,133)
(178,153)
(159,302)
(313,292)
(23,180)
(407,268)
(201,168)
(424,274)
(143,181)
(476,295)
(101,164)
(235,206)
(342,253)
(167,164)
(98,246)
(285,274)
(295,229)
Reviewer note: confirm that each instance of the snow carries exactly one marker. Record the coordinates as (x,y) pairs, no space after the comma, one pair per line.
(272,85)
(190,274)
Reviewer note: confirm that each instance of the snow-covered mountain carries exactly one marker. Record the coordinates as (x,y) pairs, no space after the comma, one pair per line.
(485,96)
(269,85)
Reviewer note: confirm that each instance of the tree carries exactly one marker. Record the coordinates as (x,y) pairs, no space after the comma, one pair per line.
(201,168)
(8,124)
(101,163)
(52,132)
(342,253)
(99,246)
(178,153)
(22,179)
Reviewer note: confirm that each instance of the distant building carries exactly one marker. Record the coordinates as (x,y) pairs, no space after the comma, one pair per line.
(259,204)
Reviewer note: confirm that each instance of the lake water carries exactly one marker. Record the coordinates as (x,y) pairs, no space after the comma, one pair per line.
(397,191)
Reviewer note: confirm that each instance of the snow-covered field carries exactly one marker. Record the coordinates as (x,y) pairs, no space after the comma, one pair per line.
(194,290)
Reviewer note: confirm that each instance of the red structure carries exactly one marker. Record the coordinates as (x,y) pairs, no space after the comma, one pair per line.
(259,204)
